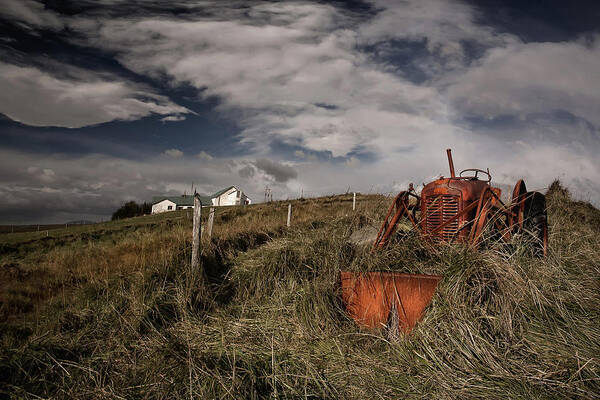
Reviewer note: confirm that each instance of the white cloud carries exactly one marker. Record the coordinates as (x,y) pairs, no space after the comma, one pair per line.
(352,162)
(30,13)
(45,175)
(443,25)
(173,153)
(532,78)
(276,75)
(203,155)
(57,188)
(173,118)
(75,99)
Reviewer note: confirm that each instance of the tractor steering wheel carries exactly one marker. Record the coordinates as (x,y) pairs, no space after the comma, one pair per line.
(477,171)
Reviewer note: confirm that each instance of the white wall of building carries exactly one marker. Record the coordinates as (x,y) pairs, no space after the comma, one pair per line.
(231,197)
(163,206)
(225,199)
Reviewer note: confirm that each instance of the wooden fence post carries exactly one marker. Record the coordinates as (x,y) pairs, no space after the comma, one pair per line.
(353,201)
(197,231)
(289,219)
(211,219)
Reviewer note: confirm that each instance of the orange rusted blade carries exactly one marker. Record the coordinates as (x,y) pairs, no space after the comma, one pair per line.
(411,294)
(370,297)
(365,298)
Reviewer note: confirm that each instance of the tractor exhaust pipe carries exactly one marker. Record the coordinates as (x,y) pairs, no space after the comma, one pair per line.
(450,163)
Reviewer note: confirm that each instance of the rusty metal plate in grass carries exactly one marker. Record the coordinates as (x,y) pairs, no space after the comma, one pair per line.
(371,297)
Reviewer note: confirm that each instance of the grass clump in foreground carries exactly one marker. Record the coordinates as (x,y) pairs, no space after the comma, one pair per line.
(266,319)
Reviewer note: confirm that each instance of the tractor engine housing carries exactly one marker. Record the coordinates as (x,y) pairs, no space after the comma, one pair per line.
(443,199)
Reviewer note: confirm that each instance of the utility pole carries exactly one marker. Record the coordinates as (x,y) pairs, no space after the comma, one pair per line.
(268,194)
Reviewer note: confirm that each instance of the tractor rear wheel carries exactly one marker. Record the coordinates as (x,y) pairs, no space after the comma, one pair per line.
(535,223)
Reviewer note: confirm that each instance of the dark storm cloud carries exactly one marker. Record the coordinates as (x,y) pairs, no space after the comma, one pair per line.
(279,172)
(246,172)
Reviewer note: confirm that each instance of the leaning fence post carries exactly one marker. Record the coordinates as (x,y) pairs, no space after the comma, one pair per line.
(211,218)
(196,231)
(289,219)
(353,201)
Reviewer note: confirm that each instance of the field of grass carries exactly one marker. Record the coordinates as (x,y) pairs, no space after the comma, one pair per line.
(29,228)
(114,311)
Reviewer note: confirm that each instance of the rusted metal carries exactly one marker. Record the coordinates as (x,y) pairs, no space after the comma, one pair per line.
(481,216)
(450,163)
(461,208)
(518,206)
(400,207)
(371,297)
(444,200)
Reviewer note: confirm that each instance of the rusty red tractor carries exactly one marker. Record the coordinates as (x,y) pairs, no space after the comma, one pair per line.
(464,209)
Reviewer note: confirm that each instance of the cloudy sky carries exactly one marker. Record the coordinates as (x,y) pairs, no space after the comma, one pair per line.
(104,101)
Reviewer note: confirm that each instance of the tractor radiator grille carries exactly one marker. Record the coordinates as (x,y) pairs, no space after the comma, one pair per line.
(440,209)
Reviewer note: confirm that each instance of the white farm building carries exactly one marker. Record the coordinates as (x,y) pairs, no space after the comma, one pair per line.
(230,196)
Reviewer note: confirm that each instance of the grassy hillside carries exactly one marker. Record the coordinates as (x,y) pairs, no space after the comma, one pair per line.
(116,312)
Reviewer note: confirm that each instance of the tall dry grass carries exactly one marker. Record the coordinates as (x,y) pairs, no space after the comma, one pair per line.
(264,319)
